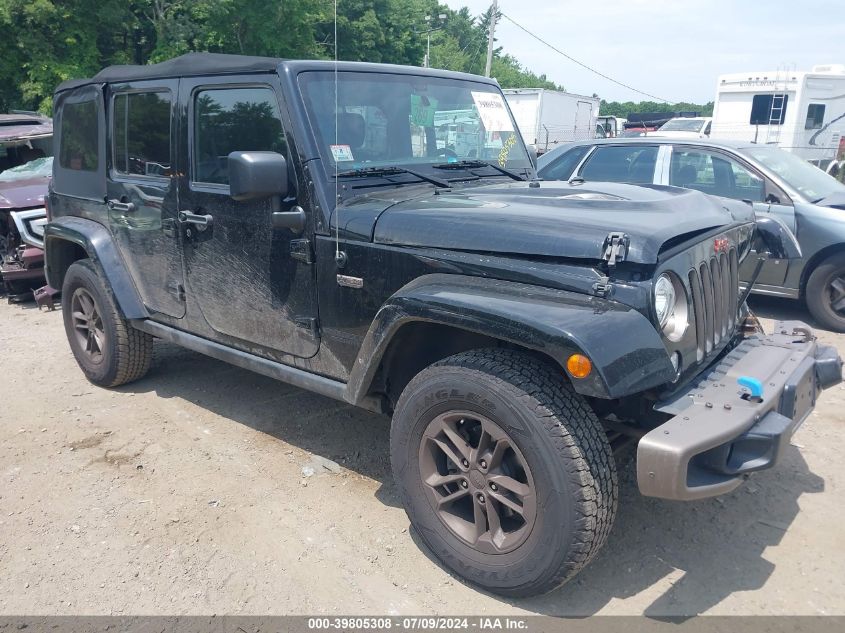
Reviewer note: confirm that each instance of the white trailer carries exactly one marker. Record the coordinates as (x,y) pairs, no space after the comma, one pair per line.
(799,111)
(547,118)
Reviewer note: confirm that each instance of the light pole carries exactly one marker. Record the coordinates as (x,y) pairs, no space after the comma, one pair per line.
(428,32)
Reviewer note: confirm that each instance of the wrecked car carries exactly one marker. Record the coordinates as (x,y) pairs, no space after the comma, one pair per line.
(309,221)
(25,169)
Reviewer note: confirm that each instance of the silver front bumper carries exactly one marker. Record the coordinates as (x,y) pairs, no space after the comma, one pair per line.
(718,434)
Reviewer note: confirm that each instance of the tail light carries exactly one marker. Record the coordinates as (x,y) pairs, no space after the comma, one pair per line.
(47,208)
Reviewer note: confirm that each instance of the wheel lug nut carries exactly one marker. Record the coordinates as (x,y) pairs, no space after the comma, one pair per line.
(482,463)
(494,487)
(480,498)
(464,463)
(464,483)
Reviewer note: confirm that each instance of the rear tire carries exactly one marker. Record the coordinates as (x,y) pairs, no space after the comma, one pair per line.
(547,504)
(825,292)
(107,348)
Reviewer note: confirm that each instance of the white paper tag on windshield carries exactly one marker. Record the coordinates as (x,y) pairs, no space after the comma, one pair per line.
(492,110)
(342,153)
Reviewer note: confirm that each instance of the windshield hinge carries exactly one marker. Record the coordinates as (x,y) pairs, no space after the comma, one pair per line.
(603,288)
(615,248)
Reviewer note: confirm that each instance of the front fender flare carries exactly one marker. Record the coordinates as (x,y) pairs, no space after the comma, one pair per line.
(98,244)
(627,352)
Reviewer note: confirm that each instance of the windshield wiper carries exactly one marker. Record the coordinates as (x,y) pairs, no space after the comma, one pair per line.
(371,172)
(470,164)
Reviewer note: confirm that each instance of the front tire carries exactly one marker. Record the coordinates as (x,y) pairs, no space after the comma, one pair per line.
(107,348)
(504,471)
(825,293)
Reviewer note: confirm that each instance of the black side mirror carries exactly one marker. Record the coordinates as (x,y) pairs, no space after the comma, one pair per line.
(257,175)
(775,239)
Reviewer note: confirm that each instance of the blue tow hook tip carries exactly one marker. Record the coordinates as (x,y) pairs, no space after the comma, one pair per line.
(754,386)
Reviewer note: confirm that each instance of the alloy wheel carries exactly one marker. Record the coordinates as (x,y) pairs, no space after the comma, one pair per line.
(477,481)
(836,295)
(87,325)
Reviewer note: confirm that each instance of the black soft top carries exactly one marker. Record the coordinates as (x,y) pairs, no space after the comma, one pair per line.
(201,64)
(188,65)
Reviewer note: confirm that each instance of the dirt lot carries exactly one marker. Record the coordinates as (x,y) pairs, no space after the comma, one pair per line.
(184,493)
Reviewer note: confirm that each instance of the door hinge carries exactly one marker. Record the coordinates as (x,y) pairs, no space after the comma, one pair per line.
(312,324)
(615,248)
(301,251)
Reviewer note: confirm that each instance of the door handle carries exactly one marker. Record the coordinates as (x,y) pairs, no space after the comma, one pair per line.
(202,222)
(293,220)
(121,207)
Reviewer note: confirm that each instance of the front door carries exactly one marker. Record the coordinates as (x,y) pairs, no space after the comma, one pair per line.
(142,190)
(240,273)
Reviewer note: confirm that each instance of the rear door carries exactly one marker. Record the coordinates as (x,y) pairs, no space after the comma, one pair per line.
(142,190)
(253,285)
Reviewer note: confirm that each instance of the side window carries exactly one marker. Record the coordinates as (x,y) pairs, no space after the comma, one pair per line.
(617,163)
(714,174)
(768,109)
(815,116)
(562,168)
(230,120)
(141,133)
(78,149)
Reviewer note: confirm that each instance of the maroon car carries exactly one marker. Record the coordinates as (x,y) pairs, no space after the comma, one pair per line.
(25,169)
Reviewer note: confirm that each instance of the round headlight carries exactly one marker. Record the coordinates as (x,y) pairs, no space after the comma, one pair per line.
(670,305)
(664,299)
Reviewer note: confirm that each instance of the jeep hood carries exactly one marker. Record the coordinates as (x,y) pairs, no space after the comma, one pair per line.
(555,219)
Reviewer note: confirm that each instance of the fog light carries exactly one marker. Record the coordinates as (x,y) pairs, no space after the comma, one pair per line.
(579,366)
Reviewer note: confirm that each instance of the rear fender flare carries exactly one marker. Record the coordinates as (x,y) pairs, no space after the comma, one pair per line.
(628,354)
(97,242)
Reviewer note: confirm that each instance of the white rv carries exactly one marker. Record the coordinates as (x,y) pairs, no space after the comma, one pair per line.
(547,118)
(802,112)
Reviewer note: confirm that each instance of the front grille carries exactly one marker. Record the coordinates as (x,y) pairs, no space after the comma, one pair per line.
(714,286)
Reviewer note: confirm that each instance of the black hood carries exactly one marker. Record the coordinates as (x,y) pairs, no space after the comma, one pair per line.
(555,219)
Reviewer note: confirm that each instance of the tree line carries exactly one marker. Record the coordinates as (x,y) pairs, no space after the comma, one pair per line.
(44,42)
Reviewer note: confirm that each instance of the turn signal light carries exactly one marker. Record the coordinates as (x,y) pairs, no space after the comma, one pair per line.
(579,366)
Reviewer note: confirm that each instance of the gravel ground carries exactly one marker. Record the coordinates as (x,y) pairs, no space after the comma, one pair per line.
(184,493)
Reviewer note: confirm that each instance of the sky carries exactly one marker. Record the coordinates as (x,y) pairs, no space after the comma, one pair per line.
(673,49)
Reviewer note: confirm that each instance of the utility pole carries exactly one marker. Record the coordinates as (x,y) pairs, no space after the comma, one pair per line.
(429,20)
(491,32)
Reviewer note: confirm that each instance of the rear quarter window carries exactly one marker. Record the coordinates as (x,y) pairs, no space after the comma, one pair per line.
(78,149)
(564,165)
(621,163)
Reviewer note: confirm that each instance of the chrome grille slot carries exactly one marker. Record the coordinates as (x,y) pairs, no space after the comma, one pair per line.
(727,322)
(709,316)
(718,302)
(698,312)
(734,266)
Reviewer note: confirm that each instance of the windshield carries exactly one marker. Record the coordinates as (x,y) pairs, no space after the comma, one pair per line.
(682,125)
(38,168)
(391,120)
(808,180)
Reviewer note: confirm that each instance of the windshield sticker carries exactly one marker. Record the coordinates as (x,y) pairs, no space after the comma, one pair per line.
(422,110)
(506,149)
(342,153)
(491,108)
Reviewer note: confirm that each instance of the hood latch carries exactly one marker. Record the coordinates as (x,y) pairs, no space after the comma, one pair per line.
(615,248)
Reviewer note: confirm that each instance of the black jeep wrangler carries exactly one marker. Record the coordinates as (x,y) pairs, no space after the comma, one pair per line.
(376,234)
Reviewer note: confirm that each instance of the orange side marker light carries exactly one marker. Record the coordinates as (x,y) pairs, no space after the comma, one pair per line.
(579,366)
